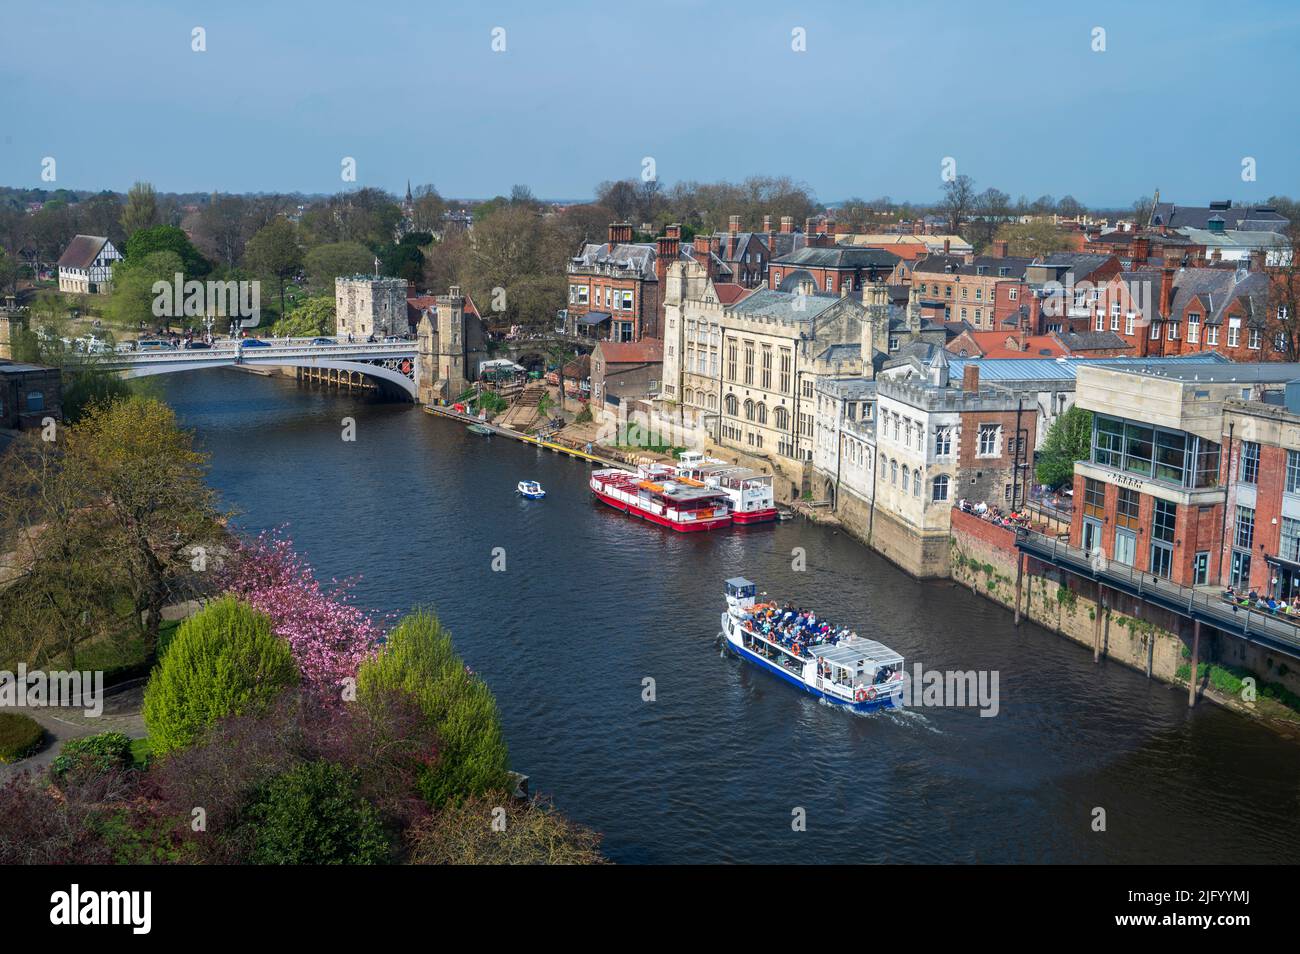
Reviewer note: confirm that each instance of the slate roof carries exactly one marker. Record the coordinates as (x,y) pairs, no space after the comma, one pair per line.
(840,256)
(635,259)
(769,303)
(1076,341)
(1249,217)
(82,251)
(955,264)
(1220,287)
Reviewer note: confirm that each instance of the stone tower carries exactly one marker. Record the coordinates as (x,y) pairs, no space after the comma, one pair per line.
(875,325)
(12,325)
(426,361)
(451,377)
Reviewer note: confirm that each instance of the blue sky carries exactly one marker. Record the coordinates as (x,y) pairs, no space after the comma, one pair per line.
(711,90)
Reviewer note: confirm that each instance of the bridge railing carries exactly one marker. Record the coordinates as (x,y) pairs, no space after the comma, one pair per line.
(225,351)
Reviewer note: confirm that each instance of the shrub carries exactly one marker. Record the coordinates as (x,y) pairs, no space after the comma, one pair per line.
(20,736)
(312,815)
(524,833)
(419,660)
(223,661)
(94,753)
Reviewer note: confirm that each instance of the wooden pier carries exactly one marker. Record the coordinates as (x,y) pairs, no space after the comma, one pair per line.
(468,419)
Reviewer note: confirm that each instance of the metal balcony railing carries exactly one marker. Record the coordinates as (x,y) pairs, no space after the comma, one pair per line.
(1208,606)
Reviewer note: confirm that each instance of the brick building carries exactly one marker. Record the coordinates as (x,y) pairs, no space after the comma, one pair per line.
(964,288)
(1189,468)
(832,270)
(29,393)
(615,288)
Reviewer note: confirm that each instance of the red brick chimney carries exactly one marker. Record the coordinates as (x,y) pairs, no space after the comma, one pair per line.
(1141,251)
(787,224)
(667,248)
(620,233)
(733,231)
(767,223)
(674,231)
(1000,248)
(809,227)
(970,377)
(947,246)
(1257,260)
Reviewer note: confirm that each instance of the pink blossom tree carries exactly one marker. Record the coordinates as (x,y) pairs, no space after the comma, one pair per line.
(329,635)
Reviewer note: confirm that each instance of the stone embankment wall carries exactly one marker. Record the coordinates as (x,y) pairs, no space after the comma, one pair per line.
(983,558)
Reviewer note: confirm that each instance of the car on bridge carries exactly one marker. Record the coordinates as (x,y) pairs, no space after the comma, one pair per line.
(252,343)
(154,344)
(197,346)
(323,341)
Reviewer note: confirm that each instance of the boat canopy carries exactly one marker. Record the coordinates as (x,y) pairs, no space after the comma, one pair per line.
(739,586)
(849,654)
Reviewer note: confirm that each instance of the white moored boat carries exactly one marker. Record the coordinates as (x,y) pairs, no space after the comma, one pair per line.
(810,653)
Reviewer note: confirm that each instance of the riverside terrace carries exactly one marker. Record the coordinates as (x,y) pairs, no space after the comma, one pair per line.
(1200,605)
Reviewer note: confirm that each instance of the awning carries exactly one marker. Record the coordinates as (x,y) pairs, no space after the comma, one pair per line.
(593,318)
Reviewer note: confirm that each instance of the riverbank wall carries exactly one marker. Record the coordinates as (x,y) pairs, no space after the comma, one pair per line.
(1115,626)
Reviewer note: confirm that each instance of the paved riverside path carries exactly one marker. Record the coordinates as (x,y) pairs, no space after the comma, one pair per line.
(123,705)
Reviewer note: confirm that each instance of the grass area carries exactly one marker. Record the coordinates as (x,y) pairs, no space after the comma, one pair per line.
(124,657)
(671,450)
(1230,681)
(140,751)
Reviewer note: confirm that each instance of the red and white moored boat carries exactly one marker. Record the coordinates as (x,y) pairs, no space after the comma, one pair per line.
(667,502)
(750,492)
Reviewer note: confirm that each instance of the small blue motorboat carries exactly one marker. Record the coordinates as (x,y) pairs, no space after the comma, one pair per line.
(531,489)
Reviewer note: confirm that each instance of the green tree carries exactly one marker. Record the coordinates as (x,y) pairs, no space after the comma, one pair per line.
(312,815)
(154,514)
(315,316)
(274,252)
(133,297)
(222,661)
(168,238)
(1031,239)
(418,660)
(1069,439)
(141,211)
(324,263)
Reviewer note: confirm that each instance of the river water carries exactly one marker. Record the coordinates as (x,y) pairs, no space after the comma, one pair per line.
(718,767)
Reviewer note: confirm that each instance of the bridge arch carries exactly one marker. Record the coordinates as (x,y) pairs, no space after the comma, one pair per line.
(391,382)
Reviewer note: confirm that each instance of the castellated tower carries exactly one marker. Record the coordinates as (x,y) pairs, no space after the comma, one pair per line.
(451,378)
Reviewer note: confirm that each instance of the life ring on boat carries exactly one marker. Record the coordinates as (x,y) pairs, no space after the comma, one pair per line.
(798,648)
(871,693)
(860,695)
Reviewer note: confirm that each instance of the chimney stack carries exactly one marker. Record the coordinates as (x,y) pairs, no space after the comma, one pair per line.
(1000,248)
(970,378)
(767,223)
(1257,260)
(620,233)
(947,246)
(1141,251)
(787,224)
(674,231)
(809,226)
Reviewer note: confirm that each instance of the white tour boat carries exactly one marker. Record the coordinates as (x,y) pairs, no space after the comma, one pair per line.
(859,673)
